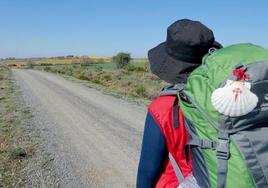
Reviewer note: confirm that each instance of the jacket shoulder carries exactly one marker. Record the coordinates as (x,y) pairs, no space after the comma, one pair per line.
(160,106)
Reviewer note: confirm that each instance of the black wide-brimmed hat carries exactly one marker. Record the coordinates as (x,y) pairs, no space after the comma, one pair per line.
(186,44)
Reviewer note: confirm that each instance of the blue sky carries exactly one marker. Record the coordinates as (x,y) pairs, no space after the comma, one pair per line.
(34,28)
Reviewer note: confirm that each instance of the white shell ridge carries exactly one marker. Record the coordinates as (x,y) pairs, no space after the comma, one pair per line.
(234,99)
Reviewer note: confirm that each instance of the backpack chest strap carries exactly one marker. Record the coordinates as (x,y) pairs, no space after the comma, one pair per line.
(221,145)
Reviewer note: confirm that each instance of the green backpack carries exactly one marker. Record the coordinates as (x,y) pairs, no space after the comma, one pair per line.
(228,150)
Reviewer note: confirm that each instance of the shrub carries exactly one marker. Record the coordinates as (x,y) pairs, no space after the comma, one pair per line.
(48,69)
(107,77)
(45,64)
(126,83)
(29,64)
(132,68)
(83,75)
(96,81)
(17,153)
(12,65)
(140,69)
(140,90)
(122,60)
(99,68)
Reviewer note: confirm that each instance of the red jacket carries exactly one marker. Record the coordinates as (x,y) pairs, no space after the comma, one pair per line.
(162,111)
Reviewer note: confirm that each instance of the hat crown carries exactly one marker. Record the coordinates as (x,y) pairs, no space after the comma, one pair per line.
(188,40)
(186,44)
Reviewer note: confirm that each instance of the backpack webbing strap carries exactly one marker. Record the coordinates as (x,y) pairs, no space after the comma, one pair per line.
(175,113)
(222,172)
(168,92)
(172,90)
(222,151)
(202,143)
(223,154)
(176,168)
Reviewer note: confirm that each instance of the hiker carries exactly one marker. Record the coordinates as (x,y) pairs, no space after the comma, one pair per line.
(165,135)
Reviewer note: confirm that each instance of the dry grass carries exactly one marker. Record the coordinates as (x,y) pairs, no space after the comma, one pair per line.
(134,82)
(15,149)
(24,63)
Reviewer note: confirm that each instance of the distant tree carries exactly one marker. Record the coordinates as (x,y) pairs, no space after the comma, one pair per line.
(122,60)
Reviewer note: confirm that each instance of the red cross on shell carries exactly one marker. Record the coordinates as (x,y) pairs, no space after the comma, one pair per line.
(237,92)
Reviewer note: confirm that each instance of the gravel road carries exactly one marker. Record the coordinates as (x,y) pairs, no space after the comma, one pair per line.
(94,138)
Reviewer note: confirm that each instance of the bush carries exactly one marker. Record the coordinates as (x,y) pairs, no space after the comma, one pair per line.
(96,81)
(45,64)
(140,90)
(107,77)
(122,60)
(48,69)
(83,75)
(29,64)
(12,65)
(132,68)
(99,68)
(17,153)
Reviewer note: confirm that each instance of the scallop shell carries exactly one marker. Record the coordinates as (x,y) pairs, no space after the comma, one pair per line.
(234,99)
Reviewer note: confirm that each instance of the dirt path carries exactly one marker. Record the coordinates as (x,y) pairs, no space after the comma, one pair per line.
(94,138)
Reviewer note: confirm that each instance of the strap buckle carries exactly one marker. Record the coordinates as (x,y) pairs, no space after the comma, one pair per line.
(207,144)
(222,148)
(179,87)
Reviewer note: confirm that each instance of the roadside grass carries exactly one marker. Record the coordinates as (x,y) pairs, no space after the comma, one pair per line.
(19,161)
(133,82)
(14,148)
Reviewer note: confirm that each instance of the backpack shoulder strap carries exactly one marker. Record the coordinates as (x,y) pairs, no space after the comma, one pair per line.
(172,89)
(176,168)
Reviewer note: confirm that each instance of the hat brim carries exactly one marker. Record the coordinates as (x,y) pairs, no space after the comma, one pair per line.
(168,68)
(217,45)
